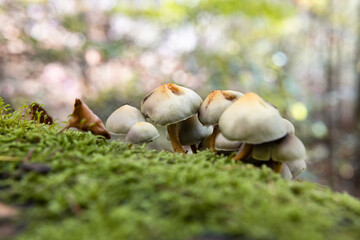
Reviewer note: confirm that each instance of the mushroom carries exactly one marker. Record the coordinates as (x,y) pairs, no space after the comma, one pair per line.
(288,149)
(262,152)
(191,131)
(251,120)
(141,132)
(221,143)
(168,105)
(122,119)
(224,144)
(296,167)
(212,108)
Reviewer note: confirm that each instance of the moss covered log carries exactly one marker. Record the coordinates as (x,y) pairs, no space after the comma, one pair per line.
(98,189)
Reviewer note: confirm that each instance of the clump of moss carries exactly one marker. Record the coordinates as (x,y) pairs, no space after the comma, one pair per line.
(97,189)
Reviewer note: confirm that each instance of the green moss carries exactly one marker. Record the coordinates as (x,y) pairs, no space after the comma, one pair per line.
(98,189)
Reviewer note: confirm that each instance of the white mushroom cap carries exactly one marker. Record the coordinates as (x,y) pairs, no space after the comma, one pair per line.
(287,149)
(224,144)
(252,120)
(191,131)
(141,132)
(296,167)
(285,172)
(289,126)
(122,119)
(170,103)
(215,104)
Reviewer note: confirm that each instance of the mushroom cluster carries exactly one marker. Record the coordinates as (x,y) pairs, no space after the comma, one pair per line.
(226,121)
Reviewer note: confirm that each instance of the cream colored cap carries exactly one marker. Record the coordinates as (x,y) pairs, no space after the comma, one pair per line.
(191,131)
(170,104)
(289,126)
(122,119)
(215,104)
(296,167)
(252,120)
(289,148)
(141,132)
(224,144)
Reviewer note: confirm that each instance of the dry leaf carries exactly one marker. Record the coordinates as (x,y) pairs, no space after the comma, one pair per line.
(84,119)
(38,113)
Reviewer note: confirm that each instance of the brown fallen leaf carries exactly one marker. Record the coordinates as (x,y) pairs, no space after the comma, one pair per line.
(84,119)
(38,113)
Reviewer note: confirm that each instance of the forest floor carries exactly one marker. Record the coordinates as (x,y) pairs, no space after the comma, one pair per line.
(75,185)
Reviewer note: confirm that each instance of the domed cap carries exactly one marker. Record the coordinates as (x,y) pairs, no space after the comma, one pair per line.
(296,167)
(122,119)
(141,132)
(252,120)
(289,148)
(224,144)
(170,104)
(289,126)
(191,131)
(215,104)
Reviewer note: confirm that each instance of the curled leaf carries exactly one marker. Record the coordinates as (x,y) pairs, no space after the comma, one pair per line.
(38,113)
(84,119)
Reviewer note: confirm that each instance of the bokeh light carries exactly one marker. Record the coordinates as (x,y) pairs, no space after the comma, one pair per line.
(299,111)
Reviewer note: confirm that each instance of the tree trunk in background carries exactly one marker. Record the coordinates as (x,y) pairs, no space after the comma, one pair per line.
(356,160)
(328,107)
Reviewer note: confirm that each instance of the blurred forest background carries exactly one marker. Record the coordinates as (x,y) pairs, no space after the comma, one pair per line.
(301,55)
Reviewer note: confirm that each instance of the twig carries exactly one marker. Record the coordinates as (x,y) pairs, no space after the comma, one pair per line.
(28,155)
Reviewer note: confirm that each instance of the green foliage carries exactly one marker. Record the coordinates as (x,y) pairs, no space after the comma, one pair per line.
(75,23)
(98,189)
(171,11)
(275,10)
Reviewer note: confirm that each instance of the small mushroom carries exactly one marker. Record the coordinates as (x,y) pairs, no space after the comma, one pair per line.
(191,131)
(296,167)
(122,119)
(262,152)
(141,132)
(212,108)
(285,150)
(224,144)
(168,105)
(251,120)
(288,149)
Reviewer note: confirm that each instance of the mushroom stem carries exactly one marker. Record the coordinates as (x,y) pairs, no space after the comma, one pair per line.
(244,152)
(193,148)
(276,166)
(174,138)
(213,136)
